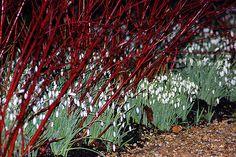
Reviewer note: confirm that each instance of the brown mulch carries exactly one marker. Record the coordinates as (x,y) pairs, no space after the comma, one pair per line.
(216,139)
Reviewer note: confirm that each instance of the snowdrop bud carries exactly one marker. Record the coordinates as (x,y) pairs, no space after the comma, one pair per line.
(25,95)
(217,101)
(114,147)
(114,133)
(91,108)
(34,121)
(99,104)
(137,110)
(102,123)
(36,68)
(57,114)
(34,108)
(126,98)
(25,125)
(11,117)
(220,84)
(213,91)
(88,132)
(114,123)
(107,54)
(130,129)
(52,124)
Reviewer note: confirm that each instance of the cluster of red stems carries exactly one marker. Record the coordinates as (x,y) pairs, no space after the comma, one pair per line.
(40,32)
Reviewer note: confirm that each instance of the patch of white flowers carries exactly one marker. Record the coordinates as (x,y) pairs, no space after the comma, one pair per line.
(167,89)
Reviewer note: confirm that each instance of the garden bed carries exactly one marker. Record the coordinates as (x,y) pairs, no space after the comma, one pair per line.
(216,139)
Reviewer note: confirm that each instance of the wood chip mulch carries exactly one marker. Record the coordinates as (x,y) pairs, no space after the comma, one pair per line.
(217,140)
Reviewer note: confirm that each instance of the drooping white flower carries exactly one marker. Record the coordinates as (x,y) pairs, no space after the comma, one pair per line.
(34,121)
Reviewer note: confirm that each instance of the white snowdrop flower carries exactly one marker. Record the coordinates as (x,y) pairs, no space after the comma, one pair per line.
(56,93)
(157,91)
(107,54)
(130,128)
(123,115)
(102,123)
(34,121)
(183,107)
(55,87)
(11,117)
(127,38)
(128,106)
(25,125)
(100,104)
(114,133)
(21,91)
(121,118)
(85,113)
(226,79)
(52,124)
(83,105)
(39,90)
(131,94)
(178,104)
(213,91)
(126,98)
(137,110)
(114,123)
(53,94)
(50,101)
(123,125)
(191,99)
(125,107)
(35,109)
(25,95)
(91,108)
(90,99)
(164,77)
(114,148)
(175,105)
(88,132)
(153,101)
(36,68)
(232,33)
(113,106)
(15,101)
(82,114)
(233,82)
(220,84)
(217,101)
(37,126)
(75,101)
(57,114)
(41,116)
(50,94)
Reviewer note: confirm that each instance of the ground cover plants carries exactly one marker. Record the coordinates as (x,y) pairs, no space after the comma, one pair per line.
(77,74)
